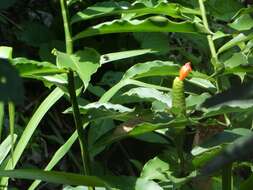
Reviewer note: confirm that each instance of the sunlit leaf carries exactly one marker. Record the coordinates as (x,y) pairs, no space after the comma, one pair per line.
(116,8)
(31,68)
(153,68)
(236,60)
(109,57)
(97,110)
(5,52)
(243,22)
(152,24)
(84,62)
(5,146)
(150,94)
(235,41)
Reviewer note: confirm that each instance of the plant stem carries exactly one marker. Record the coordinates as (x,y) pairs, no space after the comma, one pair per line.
(214,60)
(71,88)
(227,177)
(78,123)
(209,37)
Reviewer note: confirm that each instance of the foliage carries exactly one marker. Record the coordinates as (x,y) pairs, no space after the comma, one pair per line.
(110,69)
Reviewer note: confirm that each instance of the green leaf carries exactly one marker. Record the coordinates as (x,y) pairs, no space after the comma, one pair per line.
(243,22)
(151,24)
(33,69)
(155,169)
(237,59)
(223,10)
(214,145)
(5,52)
(156,41)
(52,98)
(109,57)
(235,41)
(5,146)
(196,100)
(117,182)
(204,83)
(219,34)
(147,185)
(236,99)
(97,110)
(161,168)
(136,128)
(84,62)
(150,94)
(153,68)
(229,107)
(117,8)
(237,151)
(11,86)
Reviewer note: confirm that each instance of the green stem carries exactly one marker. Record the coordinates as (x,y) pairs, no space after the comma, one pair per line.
(227,178)
(67,30)
(78,123)
(71,88)
(209,37)
(215,62)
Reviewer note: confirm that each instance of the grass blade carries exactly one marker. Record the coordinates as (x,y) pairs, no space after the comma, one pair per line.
(52,98)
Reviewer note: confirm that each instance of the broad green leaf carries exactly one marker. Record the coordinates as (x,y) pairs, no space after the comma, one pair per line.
(223,10)
(117,8)
(214,145)
(142,184)
(97,110)
(235,41)
(196,100)
(243,22)
(219,34)
(32,69)
(155,169)
(204,83)
(5,146)
(109,57)
(229,107)
(84,62)
(115,182)
(52,98)
(236,99)
(11,86)
(153,68)
(239,69)
(137,127)
(151,24)
(81,188)
(237,59)
(237,151)
(158,42)
(5,52)
(150,94)
(55,177)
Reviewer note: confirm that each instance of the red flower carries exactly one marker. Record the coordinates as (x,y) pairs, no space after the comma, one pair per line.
(185,70)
